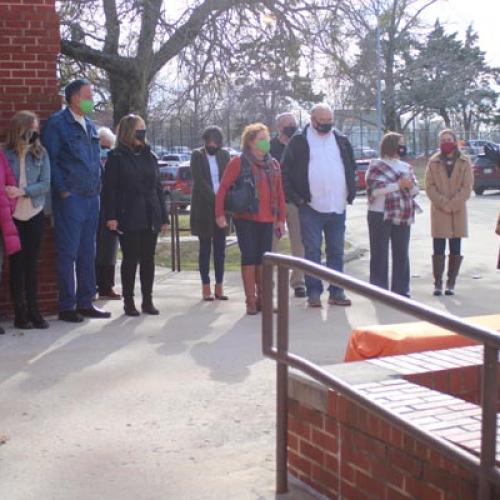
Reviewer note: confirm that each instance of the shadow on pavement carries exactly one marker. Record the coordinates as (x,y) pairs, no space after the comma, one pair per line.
(49,368)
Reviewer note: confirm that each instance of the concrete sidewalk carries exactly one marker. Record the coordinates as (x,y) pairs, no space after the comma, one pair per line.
(181,406)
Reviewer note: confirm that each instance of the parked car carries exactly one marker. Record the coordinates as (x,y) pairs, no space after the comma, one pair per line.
(361,168)
(364,153)
(232,152)
(177,183)
(175,159)
(486,174)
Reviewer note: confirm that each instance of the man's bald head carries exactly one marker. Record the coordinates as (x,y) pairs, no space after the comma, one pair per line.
(322,118)
(322,112)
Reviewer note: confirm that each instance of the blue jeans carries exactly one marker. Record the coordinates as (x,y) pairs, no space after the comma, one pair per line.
(312,226)
(75,219)
(219,244)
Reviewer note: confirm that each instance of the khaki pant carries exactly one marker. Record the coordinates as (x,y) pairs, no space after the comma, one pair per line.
(293,225)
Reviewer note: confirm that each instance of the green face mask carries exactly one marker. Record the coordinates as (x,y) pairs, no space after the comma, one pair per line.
(263,145)
(87,106)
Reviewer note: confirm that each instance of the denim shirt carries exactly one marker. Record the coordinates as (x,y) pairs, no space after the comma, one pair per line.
(74,154)
(37,175)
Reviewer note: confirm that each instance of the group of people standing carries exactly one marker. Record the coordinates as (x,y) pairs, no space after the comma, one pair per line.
(122,200)
(108,188)
(307,178)
(302,178)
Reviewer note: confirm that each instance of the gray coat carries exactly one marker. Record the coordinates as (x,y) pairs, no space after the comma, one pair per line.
(37,175)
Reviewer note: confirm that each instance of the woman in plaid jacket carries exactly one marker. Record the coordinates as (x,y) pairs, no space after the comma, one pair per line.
(391,188)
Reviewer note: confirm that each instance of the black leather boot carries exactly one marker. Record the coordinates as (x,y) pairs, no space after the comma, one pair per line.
(21,317)
(36,318)
(148,307)
(129,307)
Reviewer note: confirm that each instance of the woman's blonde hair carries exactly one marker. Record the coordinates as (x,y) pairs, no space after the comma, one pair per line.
(251,132)
(125,133)
(20,123)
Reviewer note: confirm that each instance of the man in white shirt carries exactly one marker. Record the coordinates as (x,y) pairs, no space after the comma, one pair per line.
(319,177)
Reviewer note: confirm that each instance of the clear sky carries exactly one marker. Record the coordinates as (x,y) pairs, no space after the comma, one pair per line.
(456,15)
(483,14)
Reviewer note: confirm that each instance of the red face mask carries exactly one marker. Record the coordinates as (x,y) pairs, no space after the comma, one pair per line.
(447,147)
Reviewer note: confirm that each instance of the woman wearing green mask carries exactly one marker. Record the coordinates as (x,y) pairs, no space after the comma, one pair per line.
(264,215)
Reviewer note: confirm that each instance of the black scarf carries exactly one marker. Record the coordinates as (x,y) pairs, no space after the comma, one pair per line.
(449,161)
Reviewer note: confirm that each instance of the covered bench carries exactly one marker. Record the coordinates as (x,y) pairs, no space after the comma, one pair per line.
(388,340)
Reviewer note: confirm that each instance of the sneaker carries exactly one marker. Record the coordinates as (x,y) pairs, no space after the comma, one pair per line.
(314,302)
(300,292)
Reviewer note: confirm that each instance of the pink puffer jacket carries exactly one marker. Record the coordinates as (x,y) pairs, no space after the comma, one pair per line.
(10,236)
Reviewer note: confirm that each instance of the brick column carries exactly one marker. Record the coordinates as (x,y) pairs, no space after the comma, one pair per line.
(29,46)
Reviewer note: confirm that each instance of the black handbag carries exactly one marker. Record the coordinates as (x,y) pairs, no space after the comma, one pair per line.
(242,197)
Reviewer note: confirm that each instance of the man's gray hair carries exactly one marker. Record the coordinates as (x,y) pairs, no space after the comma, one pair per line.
(281,116)
(107,134)
(322,106)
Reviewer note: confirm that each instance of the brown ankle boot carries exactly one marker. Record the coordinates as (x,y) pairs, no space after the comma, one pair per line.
(258,286)
(206,293)
(219,292)
(248,276)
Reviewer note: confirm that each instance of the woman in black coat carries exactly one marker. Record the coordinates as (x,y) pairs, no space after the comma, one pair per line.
(207,166)
(135,209)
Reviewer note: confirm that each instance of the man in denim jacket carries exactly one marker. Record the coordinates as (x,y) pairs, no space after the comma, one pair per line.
(73,145)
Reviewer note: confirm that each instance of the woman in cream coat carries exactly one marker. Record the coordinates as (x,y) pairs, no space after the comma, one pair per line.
(448,183)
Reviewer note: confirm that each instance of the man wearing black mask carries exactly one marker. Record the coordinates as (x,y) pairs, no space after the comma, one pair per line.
(319,178)
(286,126)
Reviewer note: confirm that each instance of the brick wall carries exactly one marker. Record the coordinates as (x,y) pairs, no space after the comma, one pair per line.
(348,453)
(463,382)
(29,46)
(343,451)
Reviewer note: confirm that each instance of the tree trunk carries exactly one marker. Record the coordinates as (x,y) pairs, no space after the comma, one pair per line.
(129,94)
(389,106)
(445,116)
(467,124)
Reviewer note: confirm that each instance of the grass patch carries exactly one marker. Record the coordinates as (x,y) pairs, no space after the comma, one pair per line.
(189,254)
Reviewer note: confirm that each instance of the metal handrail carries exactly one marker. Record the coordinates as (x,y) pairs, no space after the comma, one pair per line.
(175,239)
(484,467)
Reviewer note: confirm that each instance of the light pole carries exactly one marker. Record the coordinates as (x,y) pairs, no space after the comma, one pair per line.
(379,74)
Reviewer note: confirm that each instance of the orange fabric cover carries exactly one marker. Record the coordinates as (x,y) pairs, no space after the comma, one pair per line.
(389,340)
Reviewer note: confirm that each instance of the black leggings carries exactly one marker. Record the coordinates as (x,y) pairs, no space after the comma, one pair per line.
(254,240)
(138,247)
(24,264)
(440,246)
